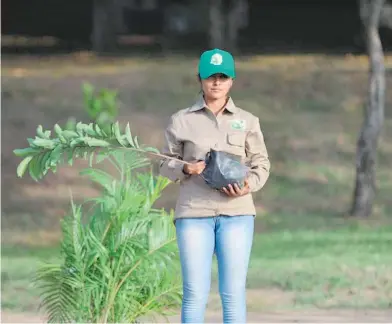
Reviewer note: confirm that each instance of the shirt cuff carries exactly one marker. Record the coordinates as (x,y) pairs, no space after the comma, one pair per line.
(177,168)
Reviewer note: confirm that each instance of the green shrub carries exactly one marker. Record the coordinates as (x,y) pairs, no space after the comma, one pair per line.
(119,258)
(101,106)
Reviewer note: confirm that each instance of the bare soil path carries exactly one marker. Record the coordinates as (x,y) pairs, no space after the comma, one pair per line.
(300,316)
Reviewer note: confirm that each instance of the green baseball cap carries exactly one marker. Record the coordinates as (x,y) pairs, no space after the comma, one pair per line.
(216,61)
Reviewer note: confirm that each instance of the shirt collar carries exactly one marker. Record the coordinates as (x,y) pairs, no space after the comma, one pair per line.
(200,104)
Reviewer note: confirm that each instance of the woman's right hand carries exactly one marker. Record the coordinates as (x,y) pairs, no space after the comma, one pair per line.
(194,168)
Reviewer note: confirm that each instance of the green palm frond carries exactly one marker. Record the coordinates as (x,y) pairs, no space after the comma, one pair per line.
(60,291)
(125,257)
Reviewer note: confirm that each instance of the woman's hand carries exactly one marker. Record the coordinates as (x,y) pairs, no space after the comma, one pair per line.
(236,191)
(194,168)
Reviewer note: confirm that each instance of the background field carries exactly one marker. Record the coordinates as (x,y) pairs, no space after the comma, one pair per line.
(308,254)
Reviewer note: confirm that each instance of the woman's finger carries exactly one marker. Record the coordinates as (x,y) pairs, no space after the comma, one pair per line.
(226,191)
(237,189)
(233,193)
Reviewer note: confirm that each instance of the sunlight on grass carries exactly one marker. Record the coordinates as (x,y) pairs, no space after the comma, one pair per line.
(322,267)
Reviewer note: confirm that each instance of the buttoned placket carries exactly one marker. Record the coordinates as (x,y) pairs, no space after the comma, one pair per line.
(218,120)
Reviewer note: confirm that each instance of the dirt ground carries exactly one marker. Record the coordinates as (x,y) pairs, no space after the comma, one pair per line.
(322,316)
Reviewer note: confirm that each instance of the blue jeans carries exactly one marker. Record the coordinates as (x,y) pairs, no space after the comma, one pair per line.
(230,237)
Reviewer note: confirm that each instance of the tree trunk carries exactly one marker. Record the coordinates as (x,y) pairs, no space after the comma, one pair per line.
(104,30)
(236,19)
(217,24)
(226,19)
(374,113)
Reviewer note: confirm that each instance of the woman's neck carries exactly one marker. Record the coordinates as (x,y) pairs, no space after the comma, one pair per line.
(216,105)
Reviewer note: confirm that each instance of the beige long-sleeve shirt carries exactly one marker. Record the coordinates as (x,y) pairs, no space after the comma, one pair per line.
(190,135)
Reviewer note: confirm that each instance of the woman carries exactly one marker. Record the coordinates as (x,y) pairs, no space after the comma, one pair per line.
(212,221)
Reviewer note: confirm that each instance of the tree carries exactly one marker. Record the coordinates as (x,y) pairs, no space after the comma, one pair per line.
(104,28)
(373,14)
(216,24)
(227,17)
(236,19)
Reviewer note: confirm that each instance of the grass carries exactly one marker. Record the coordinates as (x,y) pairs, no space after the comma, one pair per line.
(307,252)
(349,267)
(319,264)
(324,269)
(18,266)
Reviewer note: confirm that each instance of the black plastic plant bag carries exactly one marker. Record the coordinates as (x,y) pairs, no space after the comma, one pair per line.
(223,169)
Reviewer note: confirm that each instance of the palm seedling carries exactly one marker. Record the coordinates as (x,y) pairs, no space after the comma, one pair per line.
(119,260)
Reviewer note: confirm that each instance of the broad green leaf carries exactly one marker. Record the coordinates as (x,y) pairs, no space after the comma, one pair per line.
(43,143)
(69,134)
(40,131)
(22,167)
(25,151)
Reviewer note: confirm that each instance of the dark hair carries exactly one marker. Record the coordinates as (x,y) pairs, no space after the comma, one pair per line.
(201,90)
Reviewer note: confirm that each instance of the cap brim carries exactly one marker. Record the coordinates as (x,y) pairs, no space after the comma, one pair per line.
(207,74)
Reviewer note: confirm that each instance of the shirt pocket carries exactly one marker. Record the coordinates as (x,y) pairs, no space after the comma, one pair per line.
(236,143)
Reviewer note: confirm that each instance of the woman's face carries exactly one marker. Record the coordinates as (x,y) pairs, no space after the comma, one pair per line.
(217,86)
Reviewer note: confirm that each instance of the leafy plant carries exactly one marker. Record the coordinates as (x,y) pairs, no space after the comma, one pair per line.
(101,107)
(119,258)
(46,153)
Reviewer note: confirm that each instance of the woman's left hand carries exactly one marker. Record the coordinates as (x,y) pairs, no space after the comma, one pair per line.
(236,191)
